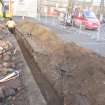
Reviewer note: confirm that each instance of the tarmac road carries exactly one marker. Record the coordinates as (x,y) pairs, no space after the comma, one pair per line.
(91,39)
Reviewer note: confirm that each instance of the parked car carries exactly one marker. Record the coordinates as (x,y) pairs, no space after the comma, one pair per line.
(87,20)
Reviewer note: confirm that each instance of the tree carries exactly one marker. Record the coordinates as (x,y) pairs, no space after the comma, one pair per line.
(4,13)
(71,4)
(1,2)
(102,7)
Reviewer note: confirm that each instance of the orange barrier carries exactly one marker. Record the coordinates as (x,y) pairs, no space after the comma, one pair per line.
(51,11)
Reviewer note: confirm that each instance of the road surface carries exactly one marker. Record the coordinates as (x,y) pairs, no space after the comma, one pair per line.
(91,39)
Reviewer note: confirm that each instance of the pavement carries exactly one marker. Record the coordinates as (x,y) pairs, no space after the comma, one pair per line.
(91,39)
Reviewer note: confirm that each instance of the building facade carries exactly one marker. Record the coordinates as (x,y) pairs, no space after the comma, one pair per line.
(25,8)
(49,7)
(96,5)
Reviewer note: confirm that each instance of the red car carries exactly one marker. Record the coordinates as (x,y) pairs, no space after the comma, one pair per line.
(88,20)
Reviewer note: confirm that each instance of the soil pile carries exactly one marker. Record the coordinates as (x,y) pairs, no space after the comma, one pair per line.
(12,89)
(75,72)
(42,36)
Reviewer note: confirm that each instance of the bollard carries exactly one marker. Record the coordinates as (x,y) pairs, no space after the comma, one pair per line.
(22,17)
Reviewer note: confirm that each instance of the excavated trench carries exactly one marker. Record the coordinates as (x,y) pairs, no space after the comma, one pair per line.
(50,94)
(76,73)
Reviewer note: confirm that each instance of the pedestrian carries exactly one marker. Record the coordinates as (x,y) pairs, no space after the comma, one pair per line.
(11,25)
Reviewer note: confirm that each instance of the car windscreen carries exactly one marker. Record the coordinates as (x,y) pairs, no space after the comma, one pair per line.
(89,14)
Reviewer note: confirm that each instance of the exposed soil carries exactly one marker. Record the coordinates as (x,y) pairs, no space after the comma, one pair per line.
(75,72)
(50,95)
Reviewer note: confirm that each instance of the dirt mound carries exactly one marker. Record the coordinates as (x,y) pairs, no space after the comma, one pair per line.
(75,72)
(42,36)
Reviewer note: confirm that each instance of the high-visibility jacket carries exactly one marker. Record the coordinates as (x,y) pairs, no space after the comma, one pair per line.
(10,24)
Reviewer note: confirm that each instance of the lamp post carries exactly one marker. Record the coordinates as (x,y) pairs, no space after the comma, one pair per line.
(46,11)
(3,8)
(39,10)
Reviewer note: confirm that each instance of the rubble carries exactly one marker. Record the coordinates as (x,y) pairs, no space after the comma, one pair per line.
(10,72)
